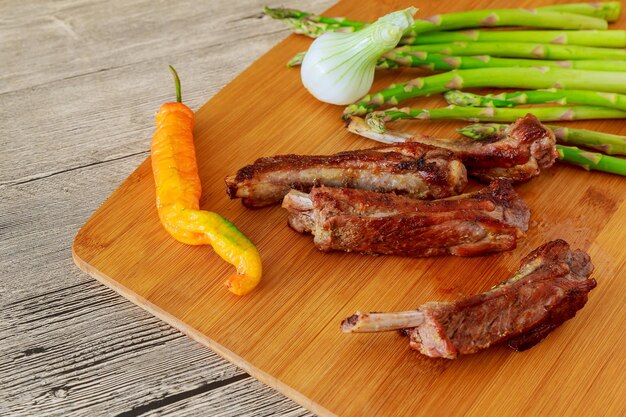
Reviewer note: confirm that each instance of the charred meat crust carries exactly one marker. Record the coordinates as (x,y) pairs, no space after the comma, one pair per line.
(413,169)
(581,267)
(396,158)
(513,147)
(473,224)
(527,138)
(550,287)
(518,153)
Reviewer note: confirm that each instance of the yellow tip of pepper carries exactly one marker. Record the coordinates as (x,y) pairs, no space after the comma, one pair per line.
(242,284)
(234,247)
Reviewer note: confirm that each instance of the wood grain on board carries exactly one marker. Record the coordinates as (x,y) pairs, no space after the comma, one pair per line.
(286,333)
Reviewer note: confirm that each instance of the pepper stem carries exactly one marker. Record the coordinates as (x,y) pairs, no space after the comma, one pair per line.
(179,95)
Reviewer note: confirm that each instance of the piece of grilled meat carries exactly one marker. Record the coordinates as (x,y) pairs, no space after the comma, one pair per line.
(549,288)
(518,153)
(490,220)
(412,169)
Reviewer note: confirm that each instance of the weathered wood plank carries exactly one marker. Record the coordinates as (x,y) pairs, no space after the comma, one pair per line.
(125,361)
(79,85)
(95,117)
(73,38)
(237,399)
(71,345)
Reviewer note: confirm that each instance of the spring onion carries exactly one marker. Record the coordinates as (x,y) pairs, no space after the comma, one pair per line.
(339,67)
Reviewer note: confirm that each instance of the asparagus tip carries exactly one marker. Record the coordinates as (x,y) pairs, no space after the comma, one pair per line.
(296,60)
(279,12)
(461,98)
(351,110)
(376,120)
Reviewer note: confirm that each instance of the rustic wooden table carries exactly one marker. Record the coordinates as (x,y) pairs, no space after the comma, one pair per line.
(80,81)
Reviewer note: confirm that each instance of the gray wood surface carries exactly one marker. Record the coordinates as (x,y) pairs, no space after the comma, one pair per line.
(80,81)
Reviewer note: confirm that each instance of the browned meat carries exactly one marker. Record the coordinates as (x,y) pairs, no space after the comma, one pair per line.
(490,220)
(518,153)
(549,288)
(412,169)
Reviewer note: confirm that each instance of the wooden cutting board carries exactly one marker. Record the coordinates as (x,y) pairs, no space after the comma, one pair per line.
(286,333)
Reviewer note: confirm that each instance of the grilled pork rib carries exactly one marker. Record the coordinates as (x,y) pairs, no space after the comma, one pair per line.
(549,288)
(518,153)
(412,169)
(490,220)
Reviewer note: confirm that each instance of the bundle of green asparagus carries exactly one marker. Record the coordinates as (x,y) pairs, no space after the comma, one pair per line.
(425,38)
(565,16)
(579,69)
(603,142)
(515,77)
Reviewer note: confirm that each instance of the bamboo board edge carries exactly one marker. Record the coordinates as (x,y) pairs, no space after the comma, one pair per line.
(199,337)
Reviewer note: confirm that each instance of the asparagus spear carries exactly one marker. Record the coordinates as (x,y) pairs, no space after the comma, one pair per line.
(504,17)
(296,60)
(376,120)
(598,38)
(608,11)
(591,161)
(603,142)
(312,25)
(446,62)
(530,78)
(562,97)
(512,50)
(552,17)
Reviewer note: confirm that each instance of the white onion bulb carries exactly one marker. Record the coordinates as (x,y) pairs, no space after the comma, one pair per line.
(339,67)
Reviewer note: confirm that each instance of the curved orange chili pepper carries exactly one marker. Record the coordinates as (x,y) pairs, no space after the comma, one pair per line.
(178,192)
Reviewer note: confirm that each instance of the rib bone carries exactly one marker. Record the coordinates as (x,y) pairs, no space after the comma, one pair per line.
(549,288)
(381,322)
